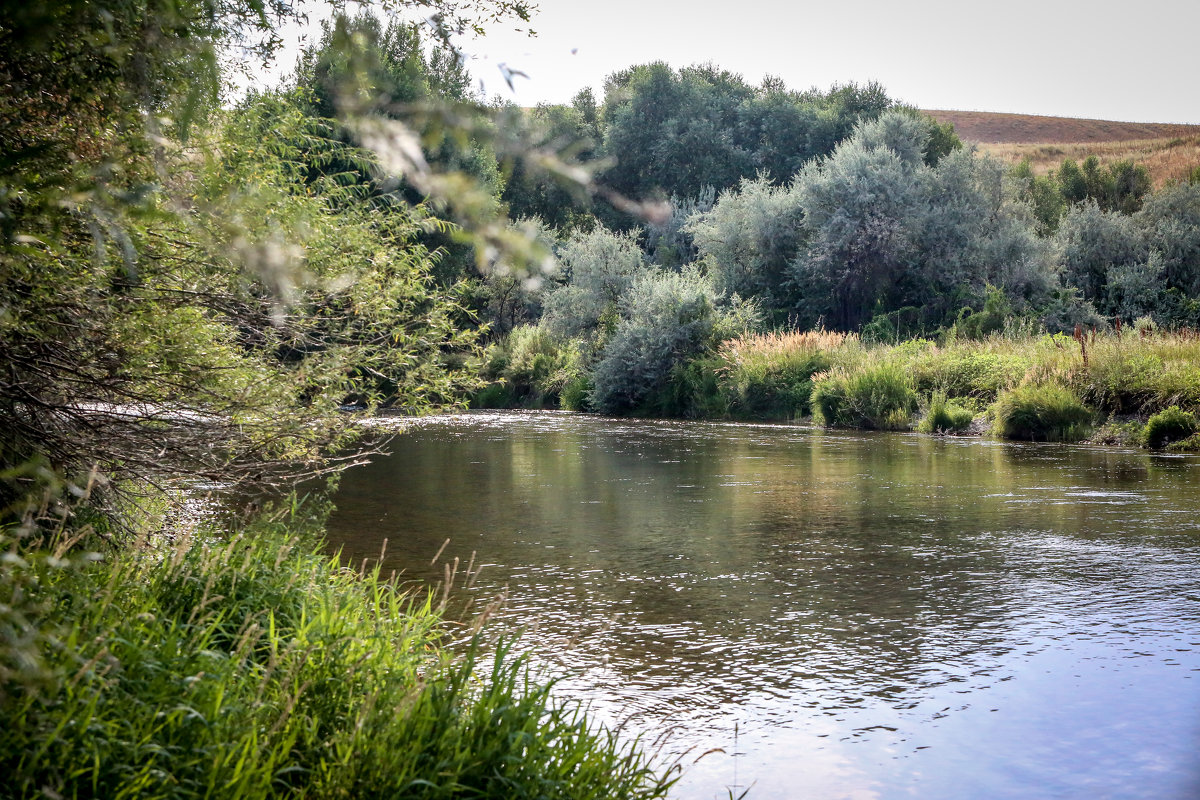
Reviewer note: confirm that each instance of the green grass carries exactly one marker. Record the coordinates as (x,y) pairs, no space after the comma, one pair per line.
(1043,413)
(867,385)
(254,666)
(945,416)
(1168,426)
(879,396)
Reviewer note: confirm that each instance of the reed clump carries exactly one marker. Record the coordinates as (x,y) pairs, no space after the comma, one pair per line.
(1041,412)
(878,397)
(945,416)
(769,376)
(254,666)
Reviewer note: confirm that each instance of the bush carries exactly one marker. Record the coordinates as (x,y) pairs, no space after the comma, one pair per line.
(1041,412)
(945,416)
(667,319)
(530,368)
(1189,445)
(1167,426)
(575,391)
(879,397)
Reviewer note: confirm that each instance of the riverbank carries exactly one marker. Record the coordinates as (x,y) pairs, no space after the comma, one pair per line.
(1127,387)
(247,664)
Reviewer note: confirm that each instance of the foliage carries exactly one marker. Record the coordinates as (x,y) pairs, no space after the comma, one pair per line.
(1041,412)
(254,666)
(749,238)
(671,242)
(530,368)
(859,230)
(666,319)
(1094,244)
(945,416)
(990,319)
(598,268)
(573,132)
(184,289)
(877,396)
(1167,426)
(361,68)
(218,345)
(673,132)
(504,297)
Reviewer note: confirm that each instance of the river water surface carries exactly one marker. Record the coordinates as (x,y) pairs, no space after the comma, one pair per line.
(876,615)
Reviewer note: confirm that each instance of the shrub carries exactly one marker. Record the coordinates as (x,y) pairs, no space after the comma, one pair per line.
(945,416)
(667,319)
(879,397)
(1189,445)
(1168,426)
(529,368)
(574,395)
(1041,412)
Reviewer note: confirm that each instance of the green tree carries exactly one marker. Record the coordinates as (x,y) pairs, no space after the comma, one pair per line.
(749,239)
(859,220)
(201,309)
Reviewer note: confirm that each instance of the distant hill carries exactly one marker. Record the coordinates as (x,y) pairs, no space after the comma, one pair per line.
(1169,151)
(988,128)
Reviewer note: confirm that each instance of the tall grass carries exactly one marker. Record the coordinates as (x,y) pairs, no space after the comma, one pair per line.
(879,396)
(847,382)
(769,376)
(254,666)
(1042,413)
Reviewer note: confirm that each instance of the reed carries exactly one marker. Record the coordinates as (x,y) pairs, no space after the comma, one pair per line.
(1132,372)
(769,376)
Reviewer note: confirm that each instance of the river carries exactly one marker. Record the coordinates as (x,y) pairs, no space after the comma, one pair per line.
(833,614)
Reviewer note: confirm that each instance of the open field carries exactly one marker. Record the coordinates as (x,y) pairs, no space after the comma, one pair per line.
(988,128)
(1170,152)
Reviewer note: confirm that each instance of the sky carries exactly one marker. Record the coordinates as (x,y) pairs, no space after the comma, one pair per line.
(1098,59)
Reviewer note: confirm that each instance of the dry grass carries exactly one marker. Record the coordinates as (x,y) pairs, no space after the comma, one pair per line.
(1168,160)
(785,342)
(988,128)
(1170,152)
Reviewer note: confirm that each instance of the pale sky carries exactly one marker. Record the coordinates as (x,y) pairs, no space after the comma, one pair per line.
(1101,59)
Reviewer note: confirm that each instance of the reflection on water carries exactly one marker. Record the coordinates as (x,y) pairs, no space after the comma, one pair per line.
(881,615)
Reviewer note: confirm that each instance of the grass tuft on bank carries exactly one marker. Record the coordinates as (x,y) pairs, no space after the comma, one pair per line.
(254,666)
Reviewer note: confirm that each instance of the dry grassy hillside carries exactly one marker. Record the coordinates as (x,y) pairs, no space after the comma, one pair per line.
(1169,151)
